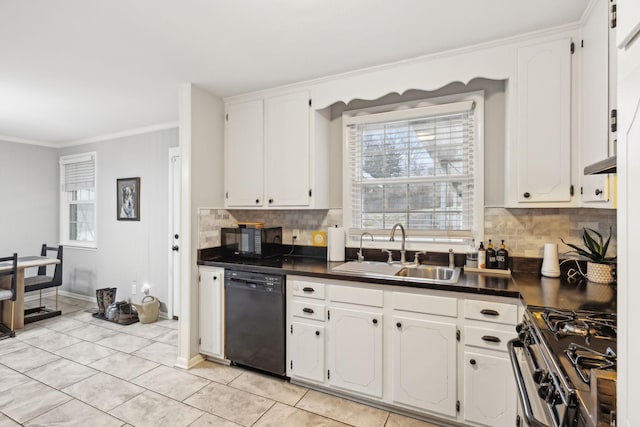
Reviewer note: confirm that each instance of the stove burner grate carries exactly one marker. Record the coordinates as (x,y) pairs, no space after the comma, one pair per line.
(583,359)
(565,323)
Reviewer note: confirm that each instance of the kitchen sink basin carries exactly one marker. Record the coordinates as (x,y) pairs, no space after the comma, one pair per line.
(407,272)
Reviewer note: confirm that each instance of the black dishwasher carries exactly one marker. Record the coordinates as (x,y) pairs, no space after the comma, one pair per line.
(255,320)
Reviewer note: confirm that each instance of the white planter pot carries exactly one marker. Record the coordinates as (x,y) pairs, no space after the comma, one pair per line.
(599,273)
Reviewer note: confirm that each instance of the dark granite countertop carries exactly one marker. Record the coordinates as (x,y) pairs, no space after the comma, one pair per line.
(532,288)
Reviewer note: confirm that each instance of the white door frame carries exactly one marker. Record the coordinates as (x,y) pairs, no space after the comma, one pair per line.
(173,306)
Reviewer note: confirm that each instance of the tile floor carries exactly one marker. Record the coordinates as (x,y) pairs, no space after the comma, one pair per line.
(75,370)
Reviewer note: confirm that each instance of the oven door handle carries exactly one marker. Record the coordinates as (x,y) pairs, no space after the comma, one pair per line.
(522,389)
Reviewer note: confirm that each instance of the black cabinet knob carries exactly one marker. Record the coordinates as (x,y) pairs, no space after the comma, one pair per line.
(175,236)
(270,200)
(318,333)
(598,191)
(375,321)
(257,201)
(472,361)
(526,195)
(215,277)
(399,325)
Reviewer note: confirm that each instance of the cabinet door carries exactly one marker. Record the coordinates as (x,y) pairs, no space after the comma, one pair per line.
(490,395)
(594,133)
(628,17)
(287,150)
(307,346)
(355,351)
(544,122)
(245,154)
(211,314)
(424,364)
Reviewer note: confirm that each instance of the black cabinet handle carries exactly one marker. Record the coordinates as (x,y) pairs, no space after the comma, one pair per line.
(491,338)
(375,321)
(598,191)
(526,195)
(472,361)
(307,289)
(308,310)
(488,312)
(399,325)
(318,333)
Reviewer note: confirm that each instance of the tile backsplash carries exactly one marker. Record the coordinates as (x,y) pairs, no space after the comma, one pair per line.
(525,231)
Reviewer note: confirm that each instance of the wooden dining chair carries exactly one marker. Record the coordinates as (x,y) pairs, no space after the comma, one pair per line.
(43,281)
(8,293)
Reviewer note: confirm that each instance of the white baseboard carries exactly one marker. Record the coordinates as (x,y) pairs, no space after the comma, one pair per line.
(183,363)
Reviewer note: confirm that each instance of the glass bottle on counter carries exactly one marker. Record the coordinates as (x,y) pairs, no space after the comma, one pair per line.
(482,256)
(502,257)
(491,256)
(472,255)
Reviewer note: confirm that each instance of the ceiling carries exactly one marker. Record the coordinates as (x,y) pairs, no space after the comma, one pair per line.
(76,69)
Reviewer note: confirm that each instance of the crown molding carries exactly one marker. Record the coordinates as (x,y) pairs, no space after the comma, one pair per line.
(117,135)
(28,141)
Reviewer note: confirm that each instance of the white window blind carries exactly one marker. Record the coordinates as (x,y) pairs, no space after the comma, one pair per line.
(79,173)
(414,167)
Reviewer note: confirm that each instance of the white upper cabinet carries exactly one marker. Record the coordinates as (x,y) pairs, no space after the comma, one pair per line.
(595,104)
(628,22)
(287,131)
(543,148)
(244,159)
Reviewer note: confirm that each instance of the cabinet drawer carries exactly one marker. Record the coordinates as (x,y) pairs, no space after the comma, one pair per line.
(495,312)
(307,289)
(426,304)
(308,310)
(487,338)
(371,297)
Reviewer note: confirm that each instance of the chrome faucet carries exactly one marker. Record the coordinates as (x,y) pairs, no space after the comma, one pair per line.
(403,252)
(360,255)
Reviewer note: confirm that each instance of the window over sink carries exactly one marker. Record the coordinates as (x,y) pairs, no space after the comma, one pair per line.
(419,164)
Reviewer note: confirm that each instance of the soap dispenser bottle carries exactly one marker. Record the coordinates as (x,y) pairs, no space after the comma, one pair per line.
(491,256)
(502,256)
(482,256)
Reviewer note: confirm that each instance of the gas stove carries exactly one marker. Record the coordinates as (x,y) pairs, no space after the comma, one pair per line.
(570,357)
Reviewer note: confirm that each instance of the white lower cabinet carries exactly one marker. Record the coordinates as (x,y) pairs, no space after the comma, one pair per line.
(490,395)
(307,350)
(211,311)
(429,352)
(424,364)
(355,350)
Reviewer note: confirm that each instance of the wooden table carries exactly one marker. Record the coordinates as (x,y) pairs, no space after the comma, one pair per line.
(5,282)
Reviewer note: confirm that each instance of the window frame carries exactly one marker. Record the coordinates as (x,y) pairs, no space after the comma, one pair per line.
(65,203)
(417,239)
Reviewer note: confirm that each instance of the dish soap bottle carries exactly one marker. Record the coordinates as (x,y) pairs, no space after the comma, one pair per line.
(502,257)
(491,256)
(482,256)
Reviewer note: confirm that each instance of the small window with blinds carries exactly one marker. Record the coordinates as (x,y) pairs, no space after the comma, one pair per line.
(78,200)
(416,167)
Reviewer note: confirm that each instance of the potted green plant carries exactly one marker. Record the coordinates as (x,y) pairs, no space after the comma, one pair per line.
(600,266)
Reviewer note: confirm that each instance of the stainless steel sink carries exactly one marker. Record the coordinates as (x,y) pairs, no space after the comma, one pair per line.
(397,271)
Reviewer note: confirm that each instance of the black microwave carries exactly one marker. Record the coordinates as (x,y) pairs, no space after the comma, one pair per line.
(252,242)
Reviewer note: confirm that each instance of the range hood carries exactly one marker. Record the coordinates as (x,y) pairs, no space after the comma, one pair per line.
(607,165)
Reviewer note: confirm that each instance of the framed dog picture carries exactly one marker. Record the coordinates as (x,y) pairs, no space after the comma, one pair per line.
(128,199)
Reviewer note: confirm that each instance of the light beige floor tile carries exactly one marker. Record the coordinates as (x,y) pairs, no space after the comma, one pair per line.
(27,358)
(168,323)
(160,353)
(51,341)
(209,420)
(125,342)
(269,387)
(10,345)
(145,330)
(33,331)
(63,324)
(19,402)
(342,410)
(7,422)
(103,391)
(173,383)
(169,337)
(10,378)
(90,332)
(152,409)
(85,352)
(216,372)
(82,316)
(397,420)
(61,373)
(281,415)
(124,365)
(226,402)
(75,414)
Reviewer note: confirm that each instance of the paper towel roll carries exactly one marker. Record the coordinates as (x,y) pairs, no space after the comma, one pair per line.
(335,244)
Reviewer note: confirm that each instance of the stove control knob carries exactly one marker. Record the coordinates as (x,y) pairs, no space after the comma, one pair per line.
(538,375)
(544,391)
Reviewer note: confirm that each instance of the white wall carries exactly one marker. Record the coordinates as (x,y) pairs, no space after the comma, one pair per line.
(128,251)
(29,208)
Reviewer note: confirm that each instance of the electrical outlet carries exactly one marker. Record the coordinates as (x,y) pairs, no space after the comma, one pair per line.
(134,288)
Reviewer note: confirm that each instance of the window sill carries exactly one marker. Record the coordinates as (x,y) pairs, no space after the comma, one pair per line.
(79,246)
